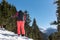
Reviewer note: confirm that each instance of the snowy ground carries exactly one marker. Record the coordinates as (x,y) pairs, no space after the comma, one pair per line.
(8,35)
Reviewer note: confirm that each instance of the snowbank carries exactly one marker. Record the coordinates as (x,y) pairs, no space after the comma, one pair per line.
(8,35)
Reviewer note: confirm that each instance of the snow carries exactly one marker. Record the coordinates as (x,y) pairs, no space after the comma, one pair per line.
(8,35)
(3,31)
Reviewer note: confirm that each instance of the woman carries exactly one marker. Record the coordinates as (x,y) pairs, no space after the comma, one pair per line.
(21,17)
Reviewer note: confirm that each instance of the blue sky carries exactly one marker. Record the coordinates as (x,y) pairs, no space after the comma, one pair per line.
(43,11)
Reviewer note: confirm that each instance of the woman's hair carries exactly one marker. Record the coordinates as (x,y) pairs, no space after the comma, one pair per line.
(20,11)
(25,11)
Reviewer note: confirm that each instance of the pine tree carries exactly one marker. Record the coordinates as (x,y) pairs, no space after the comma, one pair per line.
(56,35)
(36,32)
(28,20)
(0,15)
(6,10)
(58,15)
(27,24)
(34,25)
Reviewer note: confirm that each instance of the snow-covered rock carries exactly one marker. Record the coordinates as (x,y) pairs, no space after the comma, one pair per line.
(8,35)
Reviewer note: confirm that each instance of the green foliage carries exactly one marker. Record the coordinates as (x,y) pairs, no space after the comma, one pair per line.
(58,14)
(27,26)
(27,17)
(37,35)
(7,10)
(55,36)
(33,31)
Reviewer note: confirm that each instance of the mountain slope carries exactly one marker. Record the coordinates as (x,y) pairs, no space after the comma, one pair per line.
(50,31)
